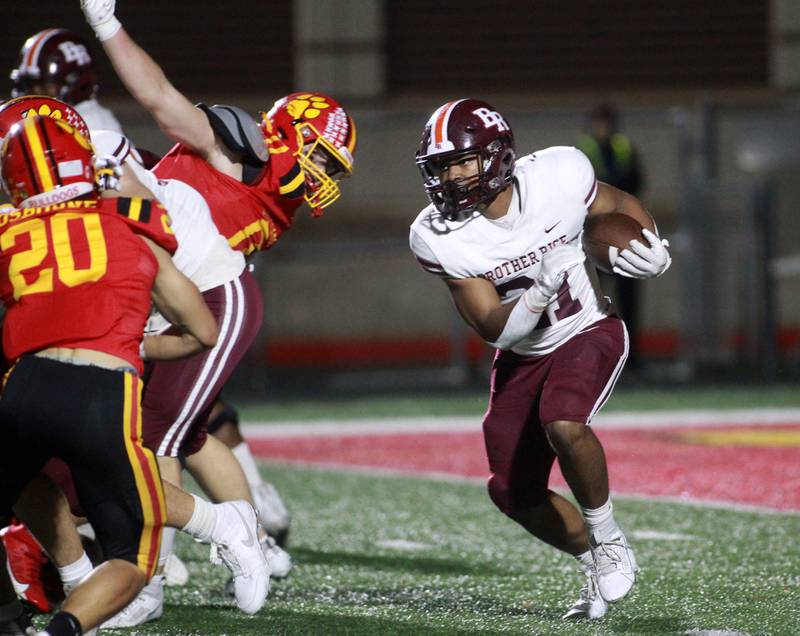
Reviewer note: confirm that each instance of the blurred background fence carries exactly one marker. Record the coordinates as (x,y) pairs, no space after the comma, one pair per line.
(708,94)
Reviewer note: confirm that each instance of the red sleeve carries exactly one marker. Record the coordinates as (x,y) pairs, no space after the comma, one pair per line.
(149,218)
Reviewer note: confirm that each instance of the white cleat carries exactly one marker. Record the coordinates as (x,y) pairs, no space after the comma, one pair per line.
(616,567)
(235,543)
(278,559)
(147,606)
(272,513)
(175,572)
(590,605)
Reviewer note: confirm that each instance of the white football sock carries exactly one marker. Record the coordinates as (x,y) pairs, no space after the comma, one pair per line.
(204,519)
(155,581)
(600,522)
(73,574)
(586,560)
(248,464)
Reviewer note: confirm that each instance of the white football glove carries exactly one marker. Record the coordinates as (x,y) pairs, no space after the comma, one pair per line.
(640,261)
(107,173)
(555,265)
(525,315)
(100,16)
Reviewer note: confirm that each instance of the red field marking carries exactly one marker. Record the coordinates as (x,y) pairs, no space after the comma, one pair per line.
(657,462)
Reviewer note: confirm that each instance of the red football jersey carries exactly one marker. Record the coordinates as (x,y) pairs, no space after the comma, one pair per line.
(251,217)
(76,275)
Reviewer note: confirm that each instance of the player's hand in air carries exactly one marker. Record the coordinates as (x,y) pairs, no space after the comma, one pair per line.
(108,172)
(100,16)
(556,264)
(641,261)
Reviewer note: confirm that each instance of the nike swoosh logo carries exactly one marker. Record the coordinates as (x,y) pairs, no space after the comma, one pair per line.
(251,540)
(547,230)
(19,587)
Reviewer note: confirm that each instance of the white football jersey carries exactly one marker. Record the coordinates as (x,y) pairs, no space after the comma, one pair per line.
(97,116)
(552,190)
(203,254)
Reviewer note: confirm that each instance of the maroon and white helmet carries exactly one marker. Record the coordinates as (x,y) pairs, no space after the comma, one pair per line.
(58,63)
(458,129)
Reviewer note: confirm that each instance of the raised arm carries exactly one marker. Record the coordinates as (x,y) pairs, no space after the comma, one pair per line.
(148,85)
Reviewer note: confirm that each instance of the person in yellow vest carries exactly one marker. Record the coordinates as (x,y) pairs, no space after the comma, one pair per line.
(616,162)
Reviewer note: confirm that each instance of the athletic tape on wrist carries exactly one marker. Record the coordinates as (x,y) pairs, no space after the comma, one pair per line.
(108,29)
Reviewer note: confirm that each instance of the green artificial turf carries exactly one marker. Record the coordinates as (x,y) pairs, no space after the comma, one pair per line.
(379,555)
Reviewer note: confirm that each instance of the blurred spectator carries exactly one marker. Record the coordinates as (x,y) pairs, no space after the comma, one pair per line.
(616,162)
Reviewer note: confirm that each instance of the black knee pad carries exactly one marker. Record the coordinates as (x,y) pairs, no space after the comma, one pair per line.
(228,414)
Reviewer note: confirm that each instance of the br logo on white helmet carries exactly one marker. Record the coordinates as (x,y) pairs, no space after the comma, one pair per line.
(491,118)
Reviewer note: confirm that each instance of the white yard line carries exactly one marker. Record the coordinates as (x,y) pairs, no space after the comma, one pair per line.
(622,420)
(657,535)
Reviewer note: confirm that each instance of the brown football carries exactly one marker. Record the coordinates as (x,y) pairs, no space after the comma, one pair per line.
(601,231)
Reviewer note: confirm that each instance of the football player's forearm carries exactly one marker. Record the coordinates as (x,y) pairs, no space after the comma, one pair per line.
(501,325)
(522,319)
(480,307)
(185,308)
(633,207)
(171,347)
(150,87)
(491,326)
(610,199)
(140,74)
(180,302)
